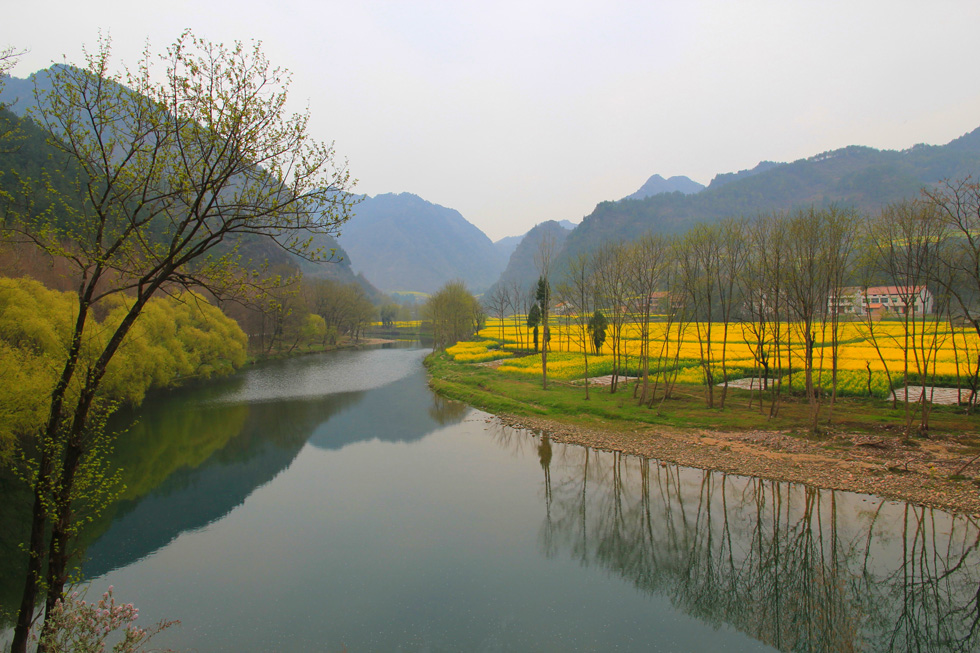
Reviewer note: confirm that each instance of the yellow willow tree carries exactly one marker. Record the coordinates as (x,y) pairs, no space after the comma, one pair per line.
(169,178)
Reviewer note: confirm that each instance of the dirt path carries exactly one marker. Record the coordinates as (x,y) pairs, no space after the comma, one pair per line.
(868,464)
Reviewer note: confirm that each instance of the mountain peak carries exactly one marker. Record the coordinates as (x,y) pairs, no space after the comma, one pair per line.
(657,184)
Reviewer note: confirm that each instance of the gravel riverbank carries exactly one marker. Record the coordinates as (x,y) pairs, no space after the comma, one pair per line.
(883,466)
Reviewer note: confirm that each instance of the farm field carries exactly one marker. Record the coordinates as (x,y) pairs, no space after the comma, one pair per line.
(863,360)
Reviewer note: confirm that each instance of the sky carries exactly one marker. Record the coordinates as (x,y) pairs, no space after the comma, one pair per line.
(514,113)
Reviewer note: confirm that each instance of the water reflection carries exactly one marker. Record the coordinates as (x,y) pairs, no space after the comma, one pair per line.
(795,567)
(513,541)
(236,448)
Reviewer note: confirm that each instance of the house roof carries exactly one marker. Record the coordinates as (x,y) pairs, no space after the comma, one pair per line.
(884,290)
(895,290)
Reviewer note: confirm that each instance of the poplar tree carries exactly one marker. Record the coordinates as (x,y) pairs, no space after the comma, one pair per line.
(543,296)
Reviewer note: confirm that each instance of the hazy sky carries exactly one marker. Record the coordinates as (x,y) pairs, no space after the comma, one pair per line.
(519,112)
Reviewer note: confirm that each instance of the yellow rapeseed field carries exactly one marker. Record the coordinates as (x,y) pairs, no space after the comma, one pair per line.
(938,353)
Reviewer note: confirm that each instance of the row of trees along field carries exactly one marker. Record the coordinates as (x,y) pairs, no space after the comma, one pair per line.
(781,299)
(158,180)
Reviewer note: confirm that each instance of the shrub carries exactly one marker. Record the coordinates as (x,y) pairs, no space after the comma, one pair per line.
(75,625)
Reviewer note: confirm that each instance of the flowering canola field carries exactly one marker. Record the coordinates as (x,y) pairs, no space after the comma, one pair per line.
(875,357)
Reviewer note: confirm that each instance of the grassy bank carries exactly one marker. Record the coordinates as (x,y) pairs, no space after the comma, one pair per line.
(860,448)
(521,395)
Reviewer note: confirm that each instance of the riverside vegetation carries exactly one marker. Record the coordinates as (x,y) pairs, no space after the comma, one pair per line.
(773,325)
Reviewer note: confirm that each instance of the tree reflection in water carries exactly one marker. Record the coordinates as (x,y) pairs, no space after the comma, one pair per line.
(799,568)
(446,411)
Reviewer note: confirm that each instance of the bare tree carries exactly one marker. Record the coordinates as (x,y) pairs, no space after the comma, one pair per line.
(907,241)
(497,301)
(610,269)
(542,260)
(700,254)
(520,302)
(761,283)
(958,205)
(578,293)
(649,258)
(734,252)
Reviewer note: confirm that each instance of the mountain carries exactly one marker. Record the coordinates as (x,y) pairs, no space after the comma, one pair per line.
(506,246)
(522,267)
(861,177)
(656,185)
(402,242)
(18,94)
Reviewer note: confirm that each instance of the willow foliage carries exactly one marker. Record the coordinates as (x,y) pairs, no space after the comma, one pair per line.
(177,337)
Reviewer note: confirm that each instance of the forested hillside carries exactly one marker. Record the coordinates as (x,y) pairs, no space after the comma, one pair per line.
(506,246)
(522,265)
(30,159)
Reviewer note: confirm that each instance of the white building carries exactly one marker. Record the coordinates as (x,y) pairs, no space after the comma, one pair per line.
(879,300)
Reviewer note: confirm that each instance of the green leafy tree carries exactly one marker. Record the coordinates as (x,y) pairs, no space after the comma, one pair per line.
(175,175)
(388,314)
(9,125)
(543,296)
(597,329)
(533,322)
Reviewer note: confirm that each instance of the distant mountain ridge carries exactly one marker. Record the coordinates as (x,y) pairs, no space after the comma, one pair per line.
(727,177)
(855,176)
(403,242)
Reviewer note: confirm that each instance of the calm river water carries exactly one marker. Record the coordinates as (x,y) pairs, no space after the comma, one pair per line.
(333,503)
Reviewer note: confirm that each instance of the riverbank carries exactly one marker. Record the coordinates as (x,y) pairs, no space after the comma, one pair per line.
(318,349)
(869,458)
(855,463)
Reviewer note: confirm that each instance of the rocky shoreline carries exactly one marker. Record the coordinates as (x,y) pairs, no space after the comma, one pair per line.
(882,466)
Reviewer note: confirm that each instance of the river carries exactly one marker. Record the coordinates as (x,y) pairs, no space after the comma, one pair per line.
(333,503)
